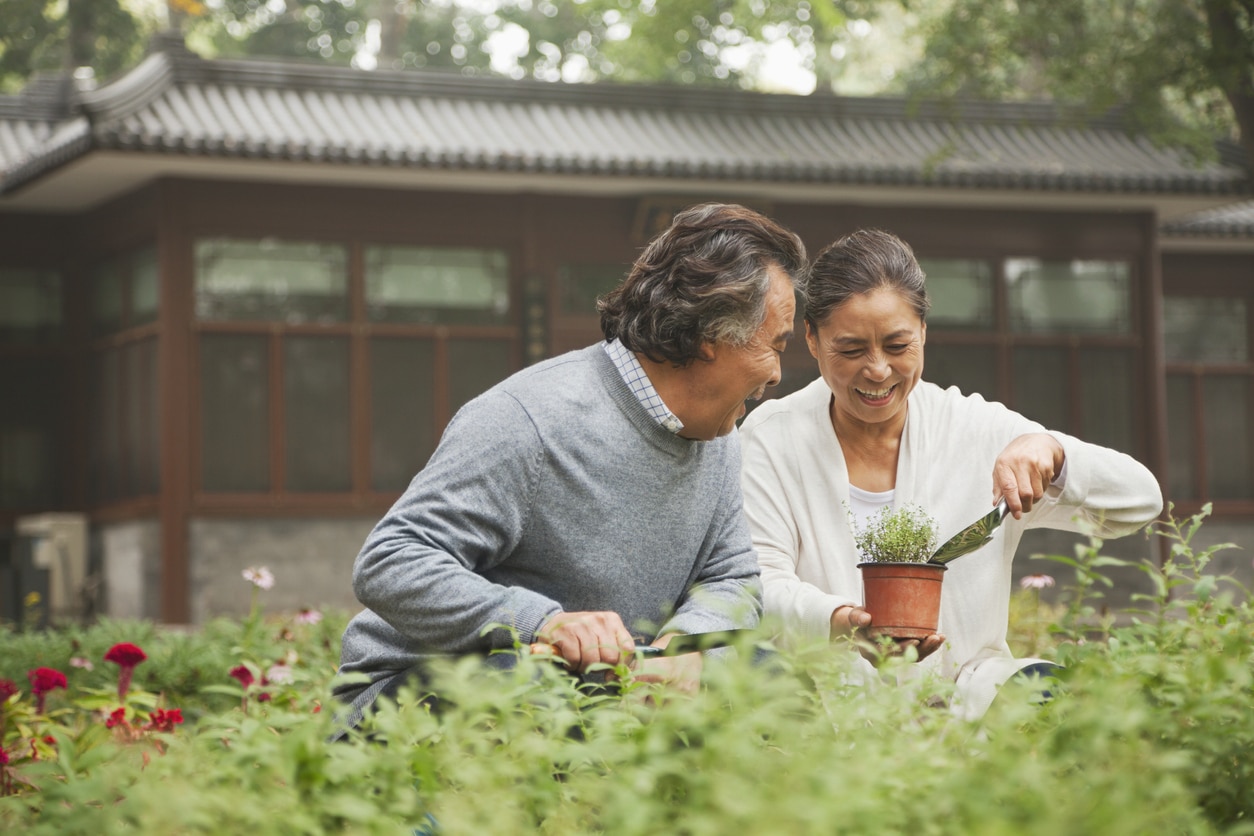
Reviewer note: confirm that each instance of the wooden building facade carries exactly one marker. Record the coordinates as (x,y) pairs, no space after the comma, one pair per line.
(240,300)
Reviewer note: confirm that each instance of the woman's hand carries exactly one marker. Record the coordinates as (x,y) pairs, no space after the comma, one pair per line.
(681,673)
(1024,470)
(852,622)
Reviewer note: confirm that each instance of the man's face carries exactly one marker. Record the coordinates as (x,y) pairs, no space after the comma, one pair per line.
(733,374)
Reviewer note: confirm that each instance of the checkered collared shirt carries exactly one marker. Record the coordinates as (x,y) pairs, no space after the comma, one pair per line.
(634,376)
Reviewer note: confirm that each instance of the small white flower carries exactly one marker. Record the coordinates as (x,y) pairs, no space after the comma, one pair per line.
(1036,581)
(279,674)
(259,576)
(80,662)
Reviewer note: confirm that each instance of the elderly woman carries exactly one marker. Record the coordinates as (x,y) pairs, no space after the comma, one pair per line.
(870,433)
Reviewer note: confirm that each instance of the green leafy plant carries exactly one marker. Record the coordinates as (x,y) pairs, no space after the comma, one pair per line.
(903,535)
(529,751)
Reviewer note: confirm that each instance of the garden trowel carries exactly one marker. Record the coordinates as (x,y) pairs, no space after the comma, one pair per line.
(972,537)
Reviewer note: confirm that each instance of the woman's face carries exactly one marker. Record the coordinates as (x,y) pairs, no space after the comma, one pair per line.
(870,352)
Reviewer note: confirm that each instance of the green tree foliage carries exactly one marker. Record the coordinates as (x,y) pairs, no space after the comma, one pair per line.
(51,35)
(1181,70)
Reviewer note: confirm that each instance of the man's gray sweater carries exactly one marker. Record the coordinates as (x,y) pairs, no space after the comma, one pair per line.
(554,490)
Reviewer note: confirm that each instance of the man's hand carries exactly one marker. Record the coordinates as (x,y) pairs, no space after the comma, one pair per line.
(1024,470)
(854,622)
(583,639)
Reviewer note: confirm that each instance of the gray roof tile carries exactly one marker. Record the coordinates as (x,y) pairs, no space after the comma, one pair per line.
(1234,221)
(177,103)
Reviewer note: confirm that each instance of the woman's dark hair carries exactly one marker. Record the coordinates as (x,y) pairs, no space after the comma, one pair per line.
(705,279)
(859,263)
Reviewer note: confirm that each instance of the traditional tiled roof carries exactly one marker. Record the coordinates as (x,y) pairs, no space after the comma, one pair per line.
(175,103)
(1234,221)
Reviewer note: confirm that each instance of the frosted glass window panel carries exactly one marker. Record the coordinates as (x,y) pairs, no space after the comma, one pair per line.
(1227,428)
(234,413)
(270,280)
(475,366)
(106,453)
(26,467)
(1068,297)
(30,306)
(972,368)
(145,287)
(1205,329)
(402,410)
(437,285)
(1040,386)
(1181,455)
(580,285)
(1106,398)
(316,414)
(961,292)
(31,414)
(107,298)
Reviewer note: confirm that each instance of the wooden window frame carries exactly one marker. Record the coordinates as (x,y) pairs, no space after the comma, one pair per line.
(359,331)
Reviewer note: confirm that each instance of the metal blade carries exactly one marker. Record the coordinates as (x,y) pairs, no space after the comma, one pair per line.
(972,537)
(694,642)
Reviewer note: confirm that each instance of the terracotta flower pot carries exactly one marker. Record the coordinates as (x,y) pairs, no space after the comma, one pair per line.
(902,598)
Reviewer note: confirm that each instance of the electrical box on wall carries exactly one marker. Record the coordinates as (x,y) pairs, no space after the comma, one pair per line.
(58,545)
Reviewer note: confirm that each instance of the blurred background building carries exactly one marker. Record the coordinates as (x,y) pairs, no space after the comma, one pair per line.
(240,299)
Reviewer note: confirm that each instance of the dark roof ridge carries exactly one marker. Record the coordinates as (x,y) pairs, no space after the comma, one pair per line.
(181,65)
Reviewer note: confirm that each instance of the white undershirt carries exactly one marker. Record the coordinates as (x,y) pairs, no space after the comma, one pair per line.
(865,504)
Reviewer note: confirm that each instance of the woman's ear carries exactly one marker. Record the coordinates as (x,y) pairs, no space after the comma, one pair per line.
(812,341)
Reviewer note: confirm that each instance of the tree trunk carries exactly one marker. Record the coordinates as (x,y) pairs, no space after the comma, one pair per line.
(1232,64)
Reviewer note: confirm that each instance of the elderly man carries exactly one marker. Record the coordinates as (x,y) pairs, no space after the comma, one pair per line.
(592,501)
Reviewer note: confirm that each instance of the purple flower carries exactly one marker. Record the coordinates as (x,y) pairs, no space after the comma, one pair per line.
(308,616)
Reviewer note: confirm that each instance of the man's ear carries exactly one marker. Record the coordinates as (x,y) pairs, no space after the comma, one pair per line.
(707,351)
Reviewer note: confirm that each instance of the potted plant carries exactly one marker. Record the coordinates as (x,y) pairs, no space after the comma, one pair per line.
(901,589)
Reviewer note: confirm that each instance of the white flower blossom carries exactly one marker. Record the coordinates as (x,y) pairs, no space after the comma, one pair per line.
(1036,581)
(259,576)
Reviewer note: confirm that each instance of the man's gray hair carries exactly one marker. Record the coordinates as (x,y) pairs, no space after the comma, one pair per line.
(704,280)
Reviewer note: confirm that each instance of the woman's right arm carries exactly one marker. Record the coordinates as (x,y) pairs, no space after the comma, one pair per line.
(770,476)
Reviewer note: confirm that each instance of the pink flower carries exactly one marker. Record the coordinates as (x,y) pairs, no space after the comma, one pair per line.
(43,680)
(243,675)
(259,576)
(81,663)
(126,656)
(164,720)
(308,616)
(4,757)
(279,674)
(1036,581)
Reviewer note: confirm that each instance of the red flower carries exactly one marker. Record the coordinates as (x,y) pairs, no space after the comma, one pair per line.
(126,656)
(43,680)
(7,689)
(4,757)
(164,720)
(264,696)
(117,718)
(243,675)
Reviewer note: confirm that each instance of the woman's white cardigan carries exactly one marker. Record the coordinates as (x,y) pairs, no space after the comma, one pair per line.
(796,494)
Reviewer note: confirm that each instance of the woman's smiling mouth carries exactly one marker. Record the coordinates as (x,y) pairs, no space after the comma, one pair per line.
(876,397)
